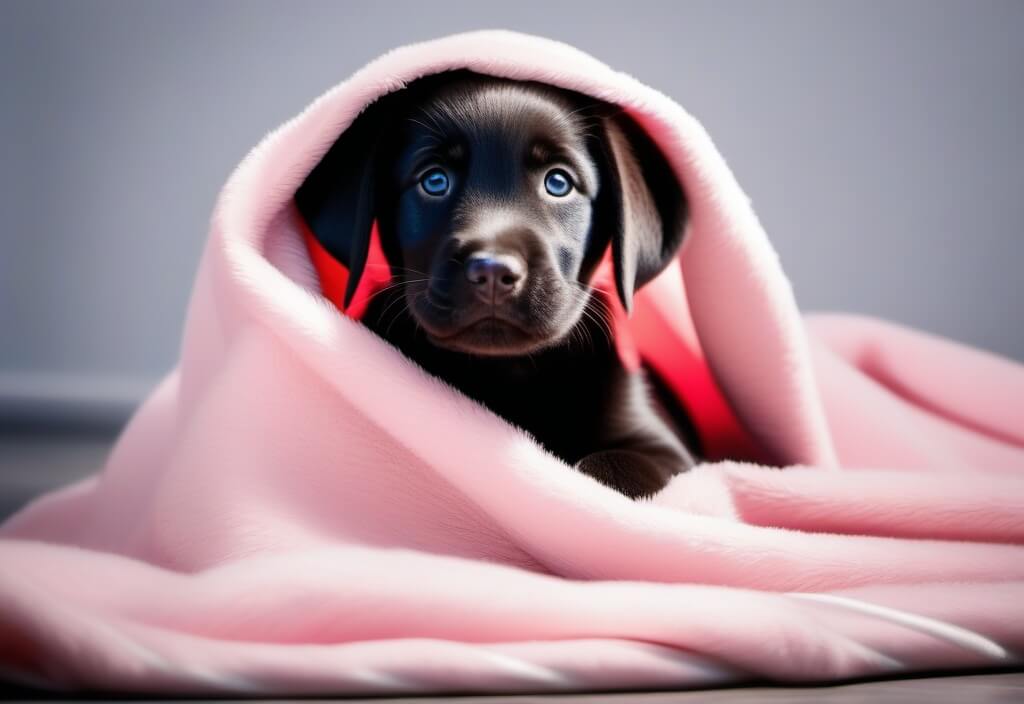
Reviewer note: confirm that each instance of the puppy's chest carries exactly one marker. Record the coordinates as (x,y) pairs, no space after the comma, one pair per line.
(571,410)
(571,402)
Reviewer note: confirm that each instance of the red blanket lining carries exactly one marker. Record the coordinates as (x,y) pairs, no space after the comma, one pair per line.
(639,339)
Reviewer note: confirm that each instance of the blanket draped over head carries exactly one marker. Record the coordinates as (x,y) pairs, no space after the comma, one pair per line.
(298,508)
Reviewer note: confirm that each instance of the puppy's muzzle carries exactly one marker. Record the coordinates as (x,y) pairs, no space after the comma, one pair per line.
(495,277)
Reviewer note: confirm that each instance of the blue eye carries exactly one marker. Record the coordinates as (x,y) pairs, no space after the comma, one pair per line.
(435,182)
(557,183)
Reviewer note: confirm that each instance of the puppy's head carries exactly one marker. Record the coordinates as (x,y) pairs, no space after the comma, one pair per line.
(495,201)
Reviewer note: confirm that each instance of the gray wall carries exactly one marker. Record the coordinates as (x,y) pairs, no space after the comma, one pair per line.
(881,144)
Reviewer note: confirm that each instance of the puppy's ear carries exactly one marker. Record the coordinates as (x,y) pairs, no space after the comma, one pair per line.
(337,198)
(640,203)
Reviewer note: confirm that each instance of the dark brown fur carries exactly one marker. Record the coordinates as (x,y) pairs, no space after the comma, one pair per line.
(491,277)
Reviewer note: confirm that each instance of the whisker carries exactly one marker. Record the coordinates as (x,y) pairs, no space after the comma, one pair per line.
(433,131)
(603,324)
(596,311)
(397,314)
(390,305)
(396,268)
(391,287)
(433,121)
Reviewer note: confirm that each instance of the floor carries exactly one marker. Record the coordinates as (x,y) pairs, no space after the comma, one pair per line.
(962,689)
(34,458)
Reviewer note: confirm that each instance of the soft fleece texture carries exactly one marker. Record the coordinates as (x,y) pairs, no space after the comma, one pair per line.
(299,509)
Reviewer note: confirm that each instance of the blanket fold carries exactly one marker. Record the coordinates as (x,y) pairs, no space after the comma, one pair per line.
(299,509)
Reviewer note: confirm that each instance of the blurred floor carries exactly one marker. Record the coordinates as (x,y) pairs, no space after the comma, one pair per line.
(963,689)
(36,459)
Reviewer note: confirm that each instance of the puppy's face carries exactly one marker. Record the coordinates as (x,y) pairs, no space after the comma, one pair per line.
(490,218)
(496,200)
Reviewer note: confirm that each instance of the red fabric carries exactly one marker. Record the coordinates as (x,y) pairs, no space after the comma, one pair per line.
(334,276)
(638,339)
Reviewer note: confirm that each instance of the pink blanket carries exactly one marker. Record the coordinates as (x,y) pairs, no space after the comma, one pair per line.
(297,508)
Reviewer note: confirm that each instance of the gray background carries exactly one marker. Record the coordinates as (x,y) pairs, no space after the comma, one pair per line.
(881,144)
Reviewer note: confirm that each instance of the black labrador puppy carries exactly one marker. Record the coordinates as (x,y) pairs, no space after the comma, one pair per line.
(495,202)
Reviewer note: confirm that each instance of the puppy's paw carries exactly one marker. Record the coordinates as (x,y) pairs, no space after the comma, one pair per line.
(629,472)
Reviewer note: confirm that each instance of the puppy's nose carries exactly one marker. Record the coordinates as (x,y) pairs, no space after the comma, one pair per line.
(494,277)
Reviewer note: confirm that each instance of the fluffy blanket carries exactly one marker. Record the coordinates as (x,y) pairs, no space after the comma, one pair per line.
(298,508)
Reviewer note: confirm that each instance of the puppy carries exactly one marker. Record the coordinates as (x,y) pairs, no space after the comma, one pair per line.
(495,202)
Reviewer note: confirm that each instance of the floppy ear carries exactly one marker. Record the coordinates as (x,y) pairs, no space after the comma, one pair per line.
(337,198)
(640,202)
